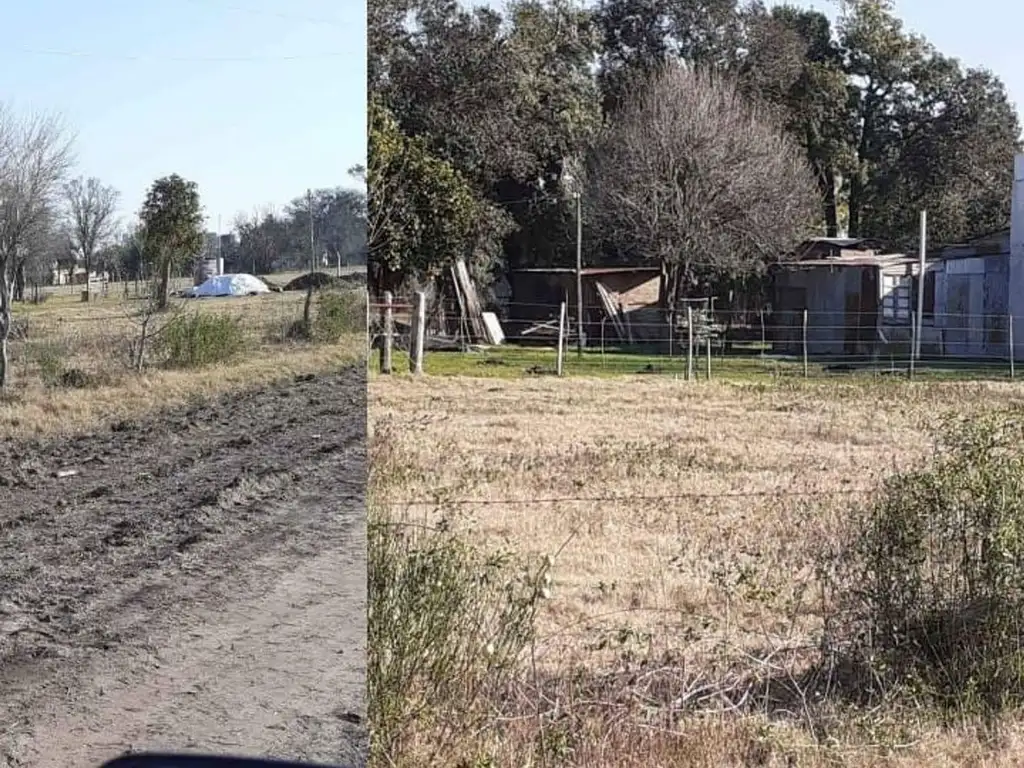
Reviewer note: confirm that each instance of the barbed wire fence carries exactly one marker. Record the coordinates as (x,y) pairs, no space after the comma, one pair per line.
(440,500)
(97,338)
(703,342)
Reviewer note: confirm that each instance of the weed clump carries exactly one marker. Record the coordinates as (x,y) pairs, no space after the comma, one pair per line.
(338,313)
(201,339)
(939,557)
(448,624)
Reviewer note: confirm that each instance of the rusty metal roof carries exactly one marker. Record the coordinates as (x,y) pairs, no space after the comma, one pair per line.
(851,260)
(587,271)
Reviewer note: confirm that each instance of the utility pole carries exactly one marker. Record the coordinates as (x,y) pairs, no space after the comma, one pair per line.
(579,275)
(312,240)
(307,308)
(923,245)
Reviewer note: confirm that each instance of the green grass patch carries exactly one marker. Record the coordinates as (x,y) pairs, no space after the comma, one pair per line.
(511,362)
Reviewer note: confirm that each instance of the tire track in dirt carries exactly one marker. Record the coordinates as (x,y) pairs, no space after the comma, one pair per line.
(196,518)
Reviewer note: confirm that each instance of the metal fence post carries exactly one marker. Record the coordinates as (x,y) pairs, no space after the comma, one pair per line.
(914,331)
(1013,362)
(559,365)
(689,346)
(708,342)
(805,344)
(419,331)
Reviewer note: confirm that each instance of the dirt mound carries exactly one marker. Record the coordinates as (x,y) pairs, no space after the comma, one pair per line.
(319,281)
(323,281)
(194,579)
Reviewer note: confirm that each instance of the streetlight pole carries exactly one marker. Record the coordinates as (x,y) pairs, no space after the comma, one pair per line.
(579,276)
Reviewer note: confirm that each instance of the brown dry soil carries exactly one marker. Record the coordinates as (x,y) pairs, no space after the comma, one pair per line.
(191,581)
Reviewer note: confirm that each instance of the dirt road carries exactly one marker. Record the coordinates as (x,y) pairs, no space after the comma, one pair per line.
(194,580)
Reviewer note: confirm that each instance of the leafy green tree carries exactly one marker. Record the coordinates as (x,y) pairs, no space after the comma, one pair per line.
(927,134)
(173,221)
(551,48)
(339,223)
(511,102)
(507,100)
(640,36)
(793,62)
(423,213)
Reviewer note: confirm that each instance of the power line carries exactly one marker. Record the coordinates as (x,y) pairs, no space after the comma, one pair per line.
(607,499)
(183,59)
(271,14)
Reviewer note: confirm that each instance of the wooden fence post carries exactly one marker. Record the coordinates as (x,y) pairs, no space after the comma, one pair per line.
(764,336)
(369,329)
(419,331)
(805,344)
(560,364)
(389,333)
(689,346)
(1013,361)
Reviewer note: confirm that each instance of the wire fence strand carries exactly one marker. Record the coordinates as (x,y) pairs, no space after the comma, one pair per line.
(703,341)
(607,499)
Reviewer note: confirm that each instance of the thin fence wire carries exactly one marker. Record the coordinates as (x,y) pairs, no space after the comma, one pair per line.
(98,337)
(649,499)
(721,342)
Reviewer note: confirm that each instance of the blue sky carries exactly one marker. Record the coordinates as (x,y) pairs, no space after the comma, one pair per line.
(254,100)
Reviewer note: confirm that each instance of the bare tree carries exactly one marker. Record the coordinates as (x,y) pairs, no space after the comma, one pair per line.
(695,177)
(149,317)
(91,209)
(35,157)
(45,248)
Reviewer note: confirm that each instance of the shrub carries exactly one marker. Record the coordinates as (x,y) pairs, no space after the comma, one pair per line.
(447,625)
(51,357)
(200,339)
(939,558)
(338,313)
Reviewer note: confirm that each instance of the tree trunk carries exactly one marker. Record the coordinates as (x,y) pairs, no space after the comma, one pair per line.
(88,278)
(307,313)
(5,321)
(163,295)
(831,204)
(670,299)
(856,200)
(19,283)
(3,361)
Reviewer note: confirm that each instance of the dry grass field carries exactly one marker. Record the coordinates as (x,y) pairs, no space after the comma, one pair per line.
(71,362)
(686,528)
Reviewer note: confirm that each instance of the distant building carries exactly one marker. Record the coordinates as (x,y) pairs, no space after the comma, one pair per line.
(863,303)
(62,275)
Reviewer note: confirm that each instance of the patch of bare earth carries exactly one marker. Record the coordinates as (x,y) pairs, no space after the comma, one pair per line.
(189,580)
(693,519)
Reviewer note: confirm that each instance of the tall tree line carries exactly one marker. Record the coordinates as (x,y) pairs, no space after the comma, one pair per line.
(270,240)
(483,125)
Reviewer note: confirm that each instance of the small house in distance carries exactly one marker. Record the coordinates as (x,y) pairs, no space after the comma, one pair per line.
(629,292)
(863,303)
